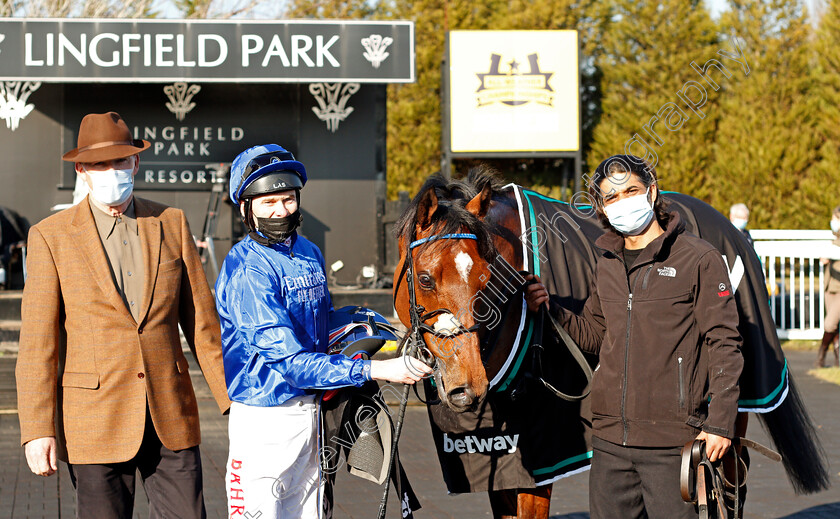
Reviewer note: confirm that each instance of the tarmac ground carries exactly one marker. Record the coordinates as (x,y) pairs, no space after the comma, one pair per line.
(24,495)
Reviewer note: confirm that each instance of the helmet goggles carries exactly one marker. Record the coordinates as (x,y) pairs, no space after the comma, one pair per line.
(259,161)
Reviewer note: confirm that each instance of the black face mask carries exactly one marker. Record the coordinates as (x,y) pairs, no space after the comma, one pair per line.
(275,230)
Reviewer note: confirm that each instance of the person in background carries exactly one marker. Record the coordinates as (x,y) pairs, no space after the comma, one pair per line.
(832,297)
(739,215)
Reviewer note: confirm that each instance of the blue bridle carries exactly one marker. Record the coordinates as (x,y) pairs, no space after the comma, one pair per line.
(453,236)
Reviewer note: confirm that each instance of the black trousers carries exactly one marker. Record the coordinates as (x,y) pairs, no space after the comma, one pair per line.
(172,481)
(629,482)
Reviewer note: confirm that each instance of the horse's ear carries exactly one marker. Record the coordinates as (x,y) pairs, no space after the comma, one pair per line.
(479,205)
(426,208)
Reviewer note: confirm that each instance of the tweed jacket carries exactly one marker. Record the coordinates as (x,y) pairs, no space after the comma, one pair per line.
(86,368)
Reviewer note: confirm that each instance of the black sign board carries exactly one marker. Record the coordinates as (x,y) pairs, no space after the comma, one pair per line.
(199,50)
(185,153)
(344,157)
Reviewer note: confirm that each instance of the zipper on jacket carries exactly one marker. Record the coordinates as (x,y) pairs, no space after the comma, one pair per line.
(647,275)
(627,358)
(682,383)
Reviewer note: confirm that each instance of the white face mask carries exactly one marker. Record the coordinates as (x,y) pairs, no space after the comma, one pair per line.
(835,226)
(111,187)
(631,215)
(740,223)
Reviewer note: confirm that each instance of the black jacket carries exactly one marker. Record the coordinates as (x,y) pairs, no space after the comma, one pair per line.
(667,339)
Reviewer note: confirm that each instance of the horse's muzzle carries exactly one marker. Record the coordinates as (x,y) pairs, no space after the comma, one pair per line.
(461,398)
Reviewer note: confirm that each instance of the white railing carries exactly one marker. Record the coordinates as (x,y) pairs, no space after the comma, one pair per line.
(795,278)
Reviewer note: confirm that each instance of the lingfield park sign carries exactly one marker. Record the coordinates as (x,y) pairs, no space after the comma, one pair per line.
(65,50)
(201,92)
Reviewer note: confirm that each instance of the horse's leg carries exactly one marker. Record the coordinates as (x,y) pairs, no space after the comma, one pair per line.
(503,503)
(533,503)
(524,503)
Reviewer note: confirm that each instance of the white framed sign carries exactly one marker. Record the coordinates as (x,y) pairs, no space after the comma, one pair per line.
(514,91)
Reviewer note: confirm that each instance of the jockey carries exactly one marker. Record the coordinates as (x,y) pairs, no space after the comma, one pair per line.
(663,320)
(274,309)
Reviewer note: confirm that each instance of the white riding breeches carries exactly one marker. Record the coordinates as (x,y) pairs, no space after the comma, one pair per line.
(273,468)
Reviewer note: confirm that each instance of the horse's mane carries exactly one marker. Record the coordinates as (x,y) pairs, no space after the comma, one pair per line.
(451,215)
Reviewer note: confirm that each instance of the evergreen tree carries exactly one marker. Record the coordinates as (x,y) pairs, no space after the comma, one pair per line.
(766,144)
(652,92)
(824,175)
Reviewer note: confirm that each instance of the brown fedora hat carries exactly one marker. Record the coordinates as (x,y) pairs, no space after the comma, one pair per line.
(104,137)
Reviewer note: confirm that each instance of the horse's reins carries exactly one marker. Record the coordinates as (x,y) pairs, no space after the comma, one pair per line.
(414,344)
(705,484)
(574,350)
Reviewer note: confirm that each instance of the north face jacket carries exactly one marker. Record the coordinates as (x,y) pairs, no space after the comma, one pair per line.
(274,306)
(667,339)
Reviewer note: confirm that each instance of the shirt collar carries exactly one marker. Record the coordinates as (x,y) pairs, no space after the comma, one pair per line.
(106,223)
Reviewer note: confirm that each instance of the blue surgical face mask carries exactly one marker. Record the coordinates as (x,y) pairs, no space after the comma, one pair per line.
(835,226)
(631,215)
(111,187)
(740,223)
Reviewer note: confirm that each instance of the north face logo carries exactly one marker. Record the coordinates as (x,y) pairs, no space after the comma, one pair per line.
(668,272)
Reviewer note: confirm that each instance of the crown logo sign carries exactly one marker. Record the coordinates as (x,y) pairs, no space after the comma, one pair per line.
(332,102)
(513,87)
(13,97)
(375,46)
(180,96)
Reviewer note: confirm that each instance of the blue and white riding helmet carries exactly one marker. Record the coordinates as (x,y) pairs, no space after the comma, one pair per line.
(262,169)
(355,329)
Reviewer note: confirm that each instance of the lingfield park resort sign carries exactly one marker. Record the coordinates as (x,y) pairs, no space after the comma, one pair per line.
(217,51)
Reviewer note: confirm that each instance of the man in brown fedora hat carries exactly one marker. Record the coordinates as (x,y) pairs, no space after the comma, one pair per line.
(102,381)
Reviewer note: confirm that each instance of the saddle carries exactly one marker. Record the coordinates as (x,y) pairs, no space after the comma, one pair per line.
(718,488)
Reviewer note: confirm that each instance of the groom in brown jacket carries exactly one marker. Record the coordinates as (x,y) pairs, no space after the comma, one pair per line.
(102,381)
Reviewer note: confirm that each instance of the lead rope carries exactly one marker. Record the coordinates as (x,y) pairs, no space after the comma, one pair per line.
(574,350)
(412,339)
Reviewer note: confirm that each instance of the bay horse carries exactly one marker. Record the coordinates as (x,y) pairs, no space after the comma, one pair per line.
(453,238)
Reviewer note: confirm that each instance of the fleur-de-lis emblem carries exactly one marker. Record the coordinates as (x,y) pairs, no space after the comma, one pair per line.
(332,102)
(375,46)
(13,97)
(180,96)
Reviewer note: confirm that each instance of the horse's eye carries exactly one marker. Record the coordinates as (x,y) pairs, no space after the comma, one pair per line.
(426,281)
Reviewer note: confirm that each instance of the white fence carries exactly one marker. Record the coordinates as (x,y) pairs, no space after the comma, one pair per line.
(795,278)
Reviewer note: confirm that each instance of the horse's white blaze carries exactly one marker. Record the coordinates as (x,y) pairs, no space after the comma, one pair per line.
(447,324)
(463,264)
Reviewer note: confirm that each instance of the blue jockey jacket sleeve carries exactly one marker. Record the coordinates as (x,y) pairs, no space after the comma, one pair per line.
(266,324)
